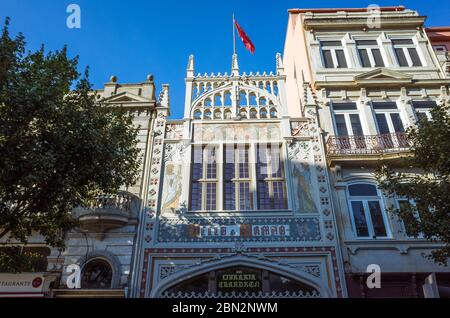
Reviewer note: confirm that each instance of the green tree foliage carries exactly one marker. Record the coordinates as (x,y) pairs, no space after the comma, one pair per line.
(59,148)
(428,190)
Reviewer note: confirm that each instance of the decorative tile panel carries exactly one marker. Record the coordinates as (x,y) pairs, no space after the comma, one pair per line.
(198,230)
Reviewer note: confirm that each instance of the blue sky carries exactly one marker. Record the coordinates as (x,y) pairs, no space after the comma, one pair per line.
(133,38)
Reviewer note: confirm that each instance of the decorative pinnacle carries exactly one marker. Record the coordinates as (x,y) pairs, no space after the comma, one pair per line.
(235,66)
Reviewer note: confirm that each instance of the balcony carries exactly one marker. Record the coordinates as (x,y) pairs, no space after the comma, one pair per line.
(354,148)
(444,60)
(108,212)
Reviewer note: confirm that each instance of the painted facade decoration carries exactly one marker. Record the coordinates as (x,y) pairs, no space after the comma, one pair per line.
(277,185)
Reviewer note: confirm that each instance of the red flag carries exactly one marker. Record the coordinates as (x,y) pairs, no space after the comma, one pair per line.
(245,39)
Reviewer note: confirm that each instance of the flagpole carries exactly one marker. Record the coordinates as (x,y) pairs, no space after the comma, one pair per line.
(234,37)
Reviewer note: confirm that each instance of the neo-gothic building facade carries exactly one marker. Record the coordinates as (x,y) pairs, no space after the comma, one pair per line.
(239,202)
(265,187)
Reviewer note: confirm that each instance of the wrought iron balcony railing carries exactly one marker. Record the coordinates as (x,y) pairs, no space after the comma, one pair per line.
(368,145)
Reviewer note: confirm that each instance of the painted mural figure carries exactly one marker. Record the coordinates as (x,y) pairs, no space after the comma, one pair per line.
(172,188)
(302,177)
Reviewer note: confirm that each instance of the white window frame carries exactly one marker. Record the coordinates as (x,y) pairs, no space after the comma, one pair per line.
(386,112)
(412,203)
(365,200)
(369,49)
(405,48)
(252,180)
(348,122)
(333,49)
(237,180)
(440,48)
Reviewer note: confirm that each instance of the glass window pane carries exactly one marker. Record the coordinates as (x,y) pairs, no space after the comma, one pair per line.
(401,58)
(331,43)
(360,219)
(421,116)
(211,189)
(367,42)
(211,166)
(402,42)
(196,196)
(275,162)
(414,57)
(383,127)
(397,123)
(279,197)
(424,104)
(405,206)
(263,196)
(365,62)
(384,105)
(230,196)
(342,62)
(341,126)
(377,219)
(328,59)
(344,106)
(363,190)
(356,125)
(243,162)
(245,197)
(378,58)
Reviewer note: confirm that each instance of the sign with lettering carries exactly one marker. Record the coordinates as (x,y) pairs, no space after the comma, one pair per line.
(239,230)
(17,284)
(239,279)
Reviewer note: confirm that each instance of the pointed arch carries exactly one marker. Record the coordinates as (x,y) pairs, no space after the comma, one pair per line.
(245,261)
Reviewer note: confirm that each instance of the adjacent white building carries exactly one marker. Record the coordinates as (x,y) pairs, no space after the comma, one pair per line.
(369,75)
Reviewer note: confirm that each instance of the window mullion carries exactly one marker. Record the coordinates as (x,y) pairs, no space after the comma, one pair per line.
(408,57)
(371,58)
(369,219)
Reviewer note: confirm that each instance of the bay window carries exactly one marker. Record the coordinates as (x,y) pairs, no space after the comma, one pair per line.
(237,182)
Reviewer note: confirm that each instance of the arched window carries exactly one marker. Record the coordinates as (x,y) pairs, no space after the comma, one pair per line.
(207,114)
(217,114)
(262,101)
(243,114)
(275,89)
(228,114)
(273,113)
(243,98)
(252,101)
(368,216)
(227,98)
(96,274)
(198,114)
(217,100)
(263,113)
(253,113)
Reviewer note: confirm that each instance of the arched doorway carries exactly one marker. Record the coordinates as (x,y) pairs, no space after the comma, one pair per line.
(240,282)
(96,274)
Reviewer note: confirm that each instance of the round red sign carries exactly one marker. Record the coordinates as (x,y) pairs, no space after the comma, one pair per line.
(37,282)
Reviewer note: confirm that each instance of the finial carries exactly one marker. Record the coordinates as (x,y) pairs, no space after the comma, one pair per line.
(190,66)
(235,66)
